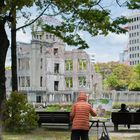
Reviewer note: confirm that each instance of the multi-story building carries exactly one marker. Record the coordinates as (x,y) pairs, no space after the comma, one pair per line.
(49,73)
(124,57)
(134,39)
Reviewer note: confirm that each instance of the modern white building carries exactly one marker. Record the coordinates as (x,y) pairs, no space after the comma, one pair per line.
(47,73)
(134,39)
(124,57)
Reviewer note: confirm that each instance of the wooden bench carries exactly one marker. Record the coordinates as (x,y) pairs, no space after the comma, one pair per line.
(54,118)
(126,118)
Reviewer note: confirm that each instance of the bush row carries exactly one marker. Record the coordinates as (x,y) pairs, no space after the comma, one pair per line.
(116,105)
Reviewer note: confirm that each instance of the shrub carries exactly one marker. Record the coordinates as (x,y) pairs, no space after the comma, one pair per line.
(19,115)
(117,105)
(58,107)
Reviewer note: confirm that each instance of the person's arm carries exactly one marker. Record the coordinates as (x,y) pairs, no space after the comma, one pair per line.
(93,112)
(72,113)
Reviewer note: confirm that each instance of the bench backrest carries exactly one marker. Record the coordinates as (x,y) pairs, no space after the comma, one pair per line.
(54,117)
(125,118)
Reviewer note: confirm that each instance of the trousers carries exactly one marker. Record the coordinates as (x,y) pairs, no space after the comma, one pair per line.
(79,135)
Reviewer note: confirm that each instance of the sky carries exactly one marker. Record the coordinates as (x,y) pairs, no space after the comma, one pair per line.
(105,48)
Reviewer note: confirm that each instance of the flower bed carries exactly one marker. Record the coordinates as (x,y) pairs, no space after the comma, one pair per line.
(58,107)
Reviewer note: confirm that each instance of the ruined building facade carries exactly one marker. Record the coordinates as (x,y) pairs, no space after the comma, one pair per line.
(47,73)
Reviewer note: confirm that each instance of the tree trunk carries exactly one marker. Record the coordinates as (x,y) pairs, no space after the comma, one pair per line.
(4,44)
(13,52)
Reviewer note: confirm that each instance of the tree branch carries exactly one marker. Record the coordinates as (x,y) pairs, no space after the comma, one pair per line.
(34,19)
(117,1)
(97,3)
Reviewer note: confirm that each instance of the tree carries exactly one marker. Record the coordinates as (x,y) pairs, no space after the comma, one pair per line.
(111,82)
(133,4)
(134,82)
(137,70)
(19,115)
(76,16)
(16,7)
(5,17)
(116,76)
(4,44)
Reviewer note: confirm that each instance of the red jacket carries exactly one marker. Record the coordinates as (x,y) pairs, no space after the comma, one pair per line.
(80,113)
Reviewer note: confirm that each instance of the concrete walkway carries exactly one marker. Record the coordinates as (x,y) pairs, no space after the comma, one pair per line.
(123,131)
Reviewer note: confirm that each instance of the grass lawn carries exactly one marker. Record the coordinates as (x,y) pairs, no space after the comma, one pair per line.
(51,134)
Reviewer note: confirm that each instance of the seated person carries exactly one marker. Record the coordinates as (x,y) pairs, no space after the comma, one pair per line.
(123,109)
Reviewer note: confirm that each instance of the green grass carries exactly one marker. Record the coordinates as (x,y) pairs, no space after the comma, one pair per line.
(52,134)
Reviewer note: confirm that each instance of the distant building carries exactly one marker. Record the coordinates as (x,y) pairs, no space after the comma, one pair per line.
(47,73)
(124,57)
(134,39)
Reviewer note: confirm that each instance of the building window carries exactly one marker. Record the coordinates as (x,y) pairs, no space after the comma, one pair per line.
(41,63)
(22,81)
(40,37)
(82,81)
(56,68)
(27,81)
(19,64)
(68,65)
(69,82)
(38,99)
(46,36)
(82,64)
(41,49)
(41,81)
(56,84)
(55,51)
(18,81)
(53,37)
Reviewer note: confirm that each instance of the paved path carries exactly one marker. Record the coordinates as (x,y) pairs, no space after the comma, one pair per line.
(123,131)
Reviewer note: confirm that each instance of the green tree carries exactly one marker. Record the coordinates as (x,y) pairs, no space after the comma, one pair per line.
(116,76)
(19,115)
(111,82)
(4,44)
(79,16)
(137,70)
(134,81)
(7,17)
(133,4)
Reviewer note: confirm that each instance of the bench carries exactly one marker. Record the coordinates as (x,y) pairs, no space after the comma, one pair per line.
(125,118)
(53,118)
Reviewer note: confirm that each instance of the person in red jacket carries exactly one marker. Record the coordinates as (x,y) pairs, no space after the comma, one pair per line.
(80,117)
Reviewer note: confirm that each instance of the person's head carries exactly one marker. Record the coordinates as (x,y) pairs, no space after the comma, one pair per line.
(82,96)
(123,106)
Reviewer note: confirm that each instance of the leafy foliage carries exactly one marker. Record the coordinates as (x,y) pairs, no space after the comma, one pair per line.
(19,115)
(133,4)
(137,70)
(119,76)
(59,108)
(117,105)
(77,16)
